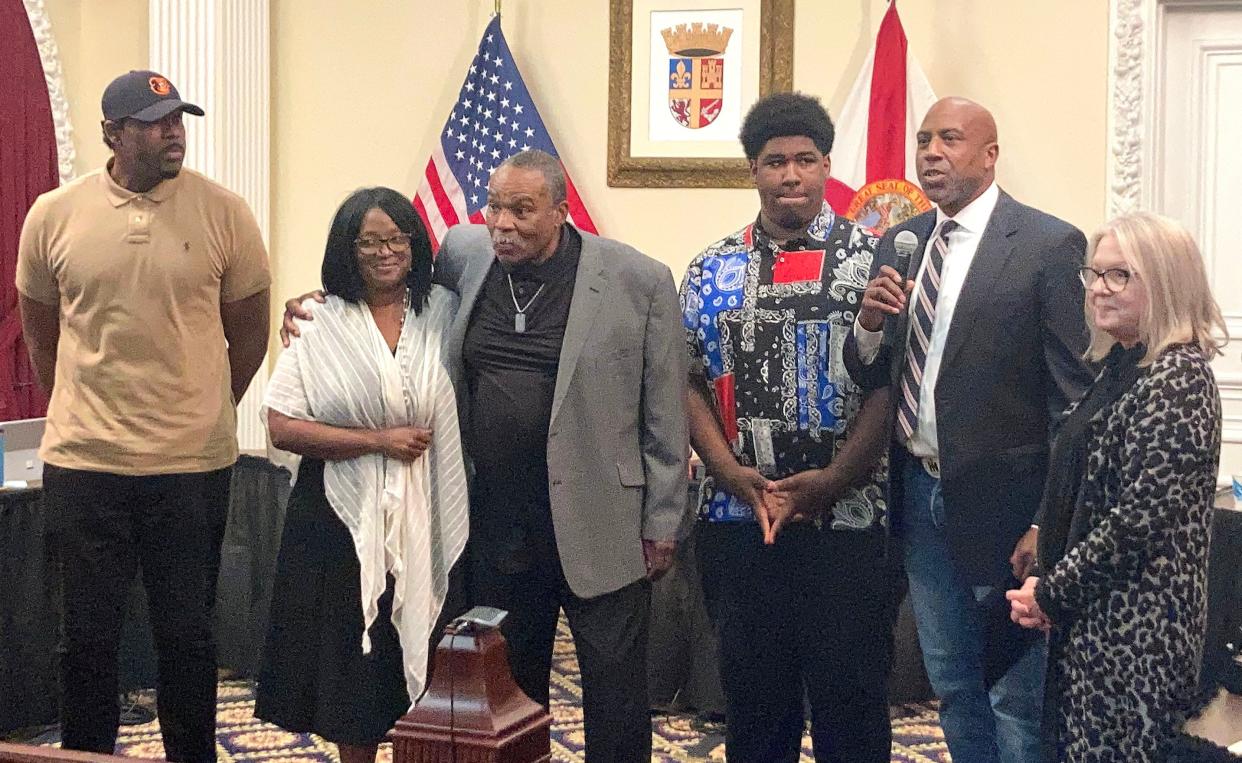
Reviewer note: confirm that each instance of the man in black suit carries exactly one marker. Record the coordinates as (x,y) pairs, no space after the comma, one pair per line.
(983,351)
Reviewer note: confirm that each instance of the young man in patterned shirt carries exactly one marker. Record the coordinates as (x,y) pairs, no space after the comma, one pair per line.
(792,539)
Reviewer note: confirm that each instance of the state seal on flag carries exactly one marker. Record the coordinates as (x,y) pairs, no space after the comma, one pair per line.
(884,203)
(696,72)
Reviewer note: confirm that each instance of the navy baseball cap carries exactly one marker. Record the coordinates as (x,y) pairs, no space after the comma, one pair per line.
(145,96)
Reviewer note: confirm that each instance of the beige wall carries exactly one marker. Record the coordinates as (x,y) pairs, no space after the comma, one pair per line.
(98,39)
(358,98)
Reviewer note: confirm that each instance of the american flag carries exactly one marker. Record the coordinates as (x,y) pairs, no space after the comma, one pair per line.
(494,118)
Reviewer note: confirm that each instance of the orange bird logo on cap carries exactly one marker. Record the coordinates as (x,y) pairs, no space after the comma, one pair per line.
(160,86)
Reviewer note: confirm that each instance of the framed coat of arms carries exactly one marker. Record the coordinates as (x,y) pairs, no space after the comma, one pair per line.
(682,74)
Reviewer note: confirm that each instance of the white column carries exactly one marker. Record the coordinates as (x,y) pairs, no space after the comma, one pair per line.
(217,54)
(49,56)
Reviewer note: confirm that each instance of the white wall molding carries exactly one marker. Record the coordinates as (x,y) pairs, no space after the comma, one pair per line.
(1135,95)
(1128,82)
(217,53)
(49,57)
(1210,58)
(1173,79)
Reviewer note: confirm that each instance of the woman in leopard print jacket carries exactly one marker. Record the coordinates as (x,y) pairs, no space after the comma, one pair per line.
(1123,539)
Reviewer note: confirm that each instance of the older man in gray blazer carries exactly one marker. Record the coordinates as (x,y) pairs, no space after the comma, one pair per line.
(568,358)
(569,351)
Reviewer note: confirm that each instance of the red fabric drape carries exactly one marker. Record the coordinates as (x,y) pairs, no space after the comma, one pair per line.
(886,128)
(27,169)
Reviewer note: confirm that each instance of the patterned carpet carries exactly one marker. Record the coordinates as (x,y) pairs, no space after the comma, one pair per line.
(243,739)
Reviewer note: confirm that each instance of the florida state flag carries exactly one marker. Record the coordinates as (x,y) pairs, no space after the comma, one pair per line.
(873,159)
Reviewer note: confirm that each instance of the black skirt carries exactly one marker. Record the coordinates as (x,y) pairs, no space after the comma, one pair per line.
(314,676)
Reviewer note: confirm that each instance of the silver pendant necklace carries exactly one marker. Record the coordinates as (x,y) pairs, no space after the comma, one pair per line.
(519,318)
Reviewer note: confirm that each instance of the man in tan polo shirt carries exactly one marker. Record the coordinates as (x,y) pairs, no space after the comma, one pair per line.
(144,299)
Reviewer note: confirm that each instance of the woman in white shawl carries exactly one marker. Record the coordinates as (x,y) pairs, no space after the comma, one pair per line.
(378,513)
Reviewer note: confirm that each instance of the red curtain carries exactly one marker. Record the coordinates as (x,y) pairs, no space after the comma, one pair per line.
(27,168)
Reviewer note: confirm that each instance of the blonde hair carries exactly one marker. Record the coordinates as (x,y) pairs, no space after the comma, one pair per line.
(1180,305)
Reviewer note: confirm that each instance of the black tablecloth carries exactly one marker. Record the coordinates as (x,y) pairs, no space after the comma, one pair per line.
(1224,626)
(28,619)
(248,562)
(683,667)
(29,598)
(682,661)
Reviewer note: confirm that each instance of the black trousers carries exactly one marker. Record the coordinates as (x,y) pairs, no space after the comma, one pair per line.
(106,527)
(808,617)
(610,637)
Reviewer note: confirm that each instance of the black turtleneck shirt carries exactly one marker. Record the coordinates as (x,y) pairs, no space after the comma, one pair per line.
(511,377)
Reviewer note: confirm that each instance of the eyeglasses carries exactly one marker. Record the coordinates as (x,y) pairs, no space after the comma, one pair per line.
(1115,279)
(396,244)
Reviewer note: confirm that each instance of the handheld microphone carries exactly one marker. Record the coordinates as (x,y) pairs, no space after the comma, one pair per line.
(905,243)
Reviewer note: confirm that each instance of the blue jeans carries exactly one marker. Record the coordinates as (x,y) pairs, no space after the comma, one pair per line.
(980,726)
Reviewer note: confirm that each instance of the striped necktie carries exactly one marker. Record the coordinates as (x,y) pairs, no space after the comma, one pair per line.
(921,331)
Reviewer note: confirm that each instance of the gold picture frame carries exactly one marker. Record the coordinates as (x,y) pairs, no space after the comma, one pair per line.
(774,73)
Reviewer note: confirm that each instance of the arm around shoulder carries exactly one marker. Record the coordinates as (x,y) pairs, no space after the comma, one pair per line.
(455,252)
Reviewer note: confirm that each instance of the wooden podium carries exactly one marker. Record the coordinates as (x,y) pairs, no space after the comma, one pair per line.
(473,712)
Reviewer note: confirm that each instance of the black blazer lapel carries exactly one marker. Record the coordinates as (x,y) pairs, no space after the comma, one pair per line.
(995,248)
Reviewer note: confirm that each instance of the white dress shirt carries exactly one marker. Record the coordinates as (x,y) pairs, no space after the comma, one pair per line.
(963,243)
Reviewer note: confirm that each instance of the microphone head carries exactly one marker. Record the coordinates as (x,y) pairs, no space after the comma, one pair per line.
(905,242)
